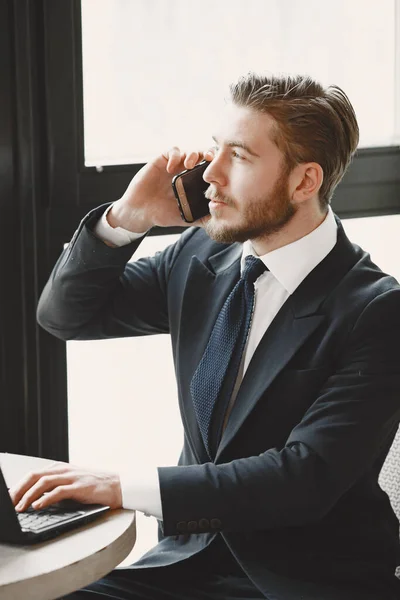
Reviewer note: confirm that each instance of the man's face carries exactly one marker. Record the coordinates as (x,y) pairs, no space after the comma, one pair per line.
(248,179)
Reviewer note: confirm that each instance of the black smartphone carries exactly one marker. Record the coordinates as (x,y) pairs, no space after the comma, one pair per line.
(189,187)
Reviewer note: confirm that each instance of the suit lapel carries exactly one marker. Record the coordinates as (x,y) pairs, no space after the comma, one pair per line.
(298,318)
(279,344)
(207,287)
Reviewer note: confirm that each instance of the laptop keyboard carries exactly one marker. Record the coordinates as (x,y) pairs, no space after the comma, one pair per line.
(33,520)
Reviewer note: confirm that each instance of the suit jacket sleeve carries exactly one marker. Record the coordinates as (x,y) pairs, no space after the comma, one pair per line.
(336,442)
(94,293)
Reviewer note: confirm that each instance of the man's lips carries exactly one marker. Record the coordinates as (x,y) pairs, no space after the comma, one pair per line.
(215,203)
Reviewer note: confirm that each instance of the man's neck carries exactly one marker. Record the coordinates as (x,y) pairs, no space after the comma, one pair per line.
(299,226)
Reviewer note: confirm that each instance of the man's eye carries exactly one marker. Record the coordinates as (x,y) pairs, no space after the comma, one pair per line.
(237,155)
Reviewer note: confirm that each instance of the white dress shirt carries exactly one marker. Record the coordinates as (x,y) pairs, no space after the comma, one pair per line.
(288,266)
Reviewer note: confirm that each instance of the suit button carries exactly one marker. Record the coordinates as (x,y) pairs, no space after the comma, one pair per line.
(204,524)
(192,526)
(215,524)
(182,527)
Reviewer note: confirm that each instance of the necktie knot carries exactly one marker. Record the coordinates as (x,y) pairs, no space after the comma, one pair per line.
(254,267)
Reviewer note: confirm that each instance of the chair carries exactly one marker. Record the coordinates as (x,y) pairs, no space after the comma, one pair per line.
(389,478)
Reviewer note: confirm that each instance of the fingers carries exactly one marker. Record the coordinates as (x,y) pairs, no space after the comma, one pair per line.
(192,159)
(19,490)
(178,160)
(61,492)
(48,484)
(209,154)
(174,158)
(42,488)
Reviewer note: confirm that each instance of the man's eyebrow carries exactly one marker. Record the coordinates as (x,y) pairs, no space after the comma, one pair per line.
(238,144)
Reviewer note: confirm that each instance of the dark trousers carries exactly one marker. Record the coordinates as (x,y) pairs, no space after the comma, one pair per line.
(201,578)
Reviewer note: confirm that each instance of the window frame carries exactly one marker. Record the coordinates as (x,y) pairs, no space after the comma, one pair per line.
(370,187)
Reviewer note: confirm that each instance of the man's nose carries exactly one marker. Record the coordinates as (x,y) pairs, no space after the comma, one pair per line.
(214,172)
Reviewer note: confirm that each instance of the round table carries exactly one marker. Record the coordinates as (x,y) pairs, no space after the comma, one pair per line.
(76,558)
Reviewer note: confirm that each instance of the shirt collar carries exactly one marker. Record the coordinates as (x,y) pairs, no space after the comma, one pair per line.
(305,253)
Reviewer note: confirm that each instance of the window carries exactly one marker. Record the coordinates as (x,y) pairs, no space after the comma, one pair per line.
(156,72)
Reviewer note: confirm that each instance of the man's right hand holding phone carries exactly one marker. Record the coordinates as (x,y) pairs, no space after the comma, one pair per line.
(149,199)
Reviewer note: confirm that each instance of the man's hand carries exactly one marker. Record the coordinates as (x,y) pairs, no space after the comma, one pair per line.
(149,199)
(61,481)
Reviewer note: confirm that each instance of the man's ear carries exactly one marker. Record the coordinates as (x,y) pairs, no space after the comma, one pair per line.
(306,181)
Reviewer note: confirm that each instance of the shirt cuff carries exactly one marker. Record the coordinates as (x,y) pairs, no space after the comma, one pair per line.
(142,492)
(118,236)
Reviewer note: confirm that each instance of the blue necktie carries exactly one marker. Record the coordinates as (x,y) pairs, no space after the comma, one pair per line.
(224,350)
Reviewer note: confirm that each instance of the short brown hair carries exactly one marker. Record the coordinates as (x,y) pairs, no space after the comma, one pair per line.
(314,124)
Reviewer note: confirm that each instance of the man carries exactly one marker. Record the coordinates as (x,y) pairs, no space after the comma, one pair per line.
(289,404)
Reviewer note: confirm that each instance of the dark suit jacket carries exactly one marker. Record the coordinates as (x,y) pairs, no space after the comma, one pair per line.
(294,485)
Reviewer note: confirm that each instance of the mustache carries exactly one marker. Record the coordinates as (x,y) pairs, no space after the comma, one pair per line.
(212,194)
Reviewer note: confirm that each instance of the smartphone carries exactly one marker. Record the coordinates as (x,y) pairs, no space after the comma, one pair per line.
(189,187)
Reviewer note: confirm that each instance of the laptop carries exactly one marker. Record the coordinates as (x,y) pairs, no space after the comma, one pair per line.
(33,526)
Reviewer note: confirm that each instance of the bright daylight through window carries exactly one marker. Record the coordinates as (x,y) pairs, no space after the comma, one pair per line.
(154,72)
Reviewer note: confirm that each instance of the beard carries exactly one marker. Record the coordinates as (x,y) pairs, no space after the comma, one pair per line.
(261,217)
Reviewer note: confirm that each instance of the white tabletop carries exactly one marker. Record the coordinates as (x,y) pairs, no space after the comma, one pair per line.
(76,558)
